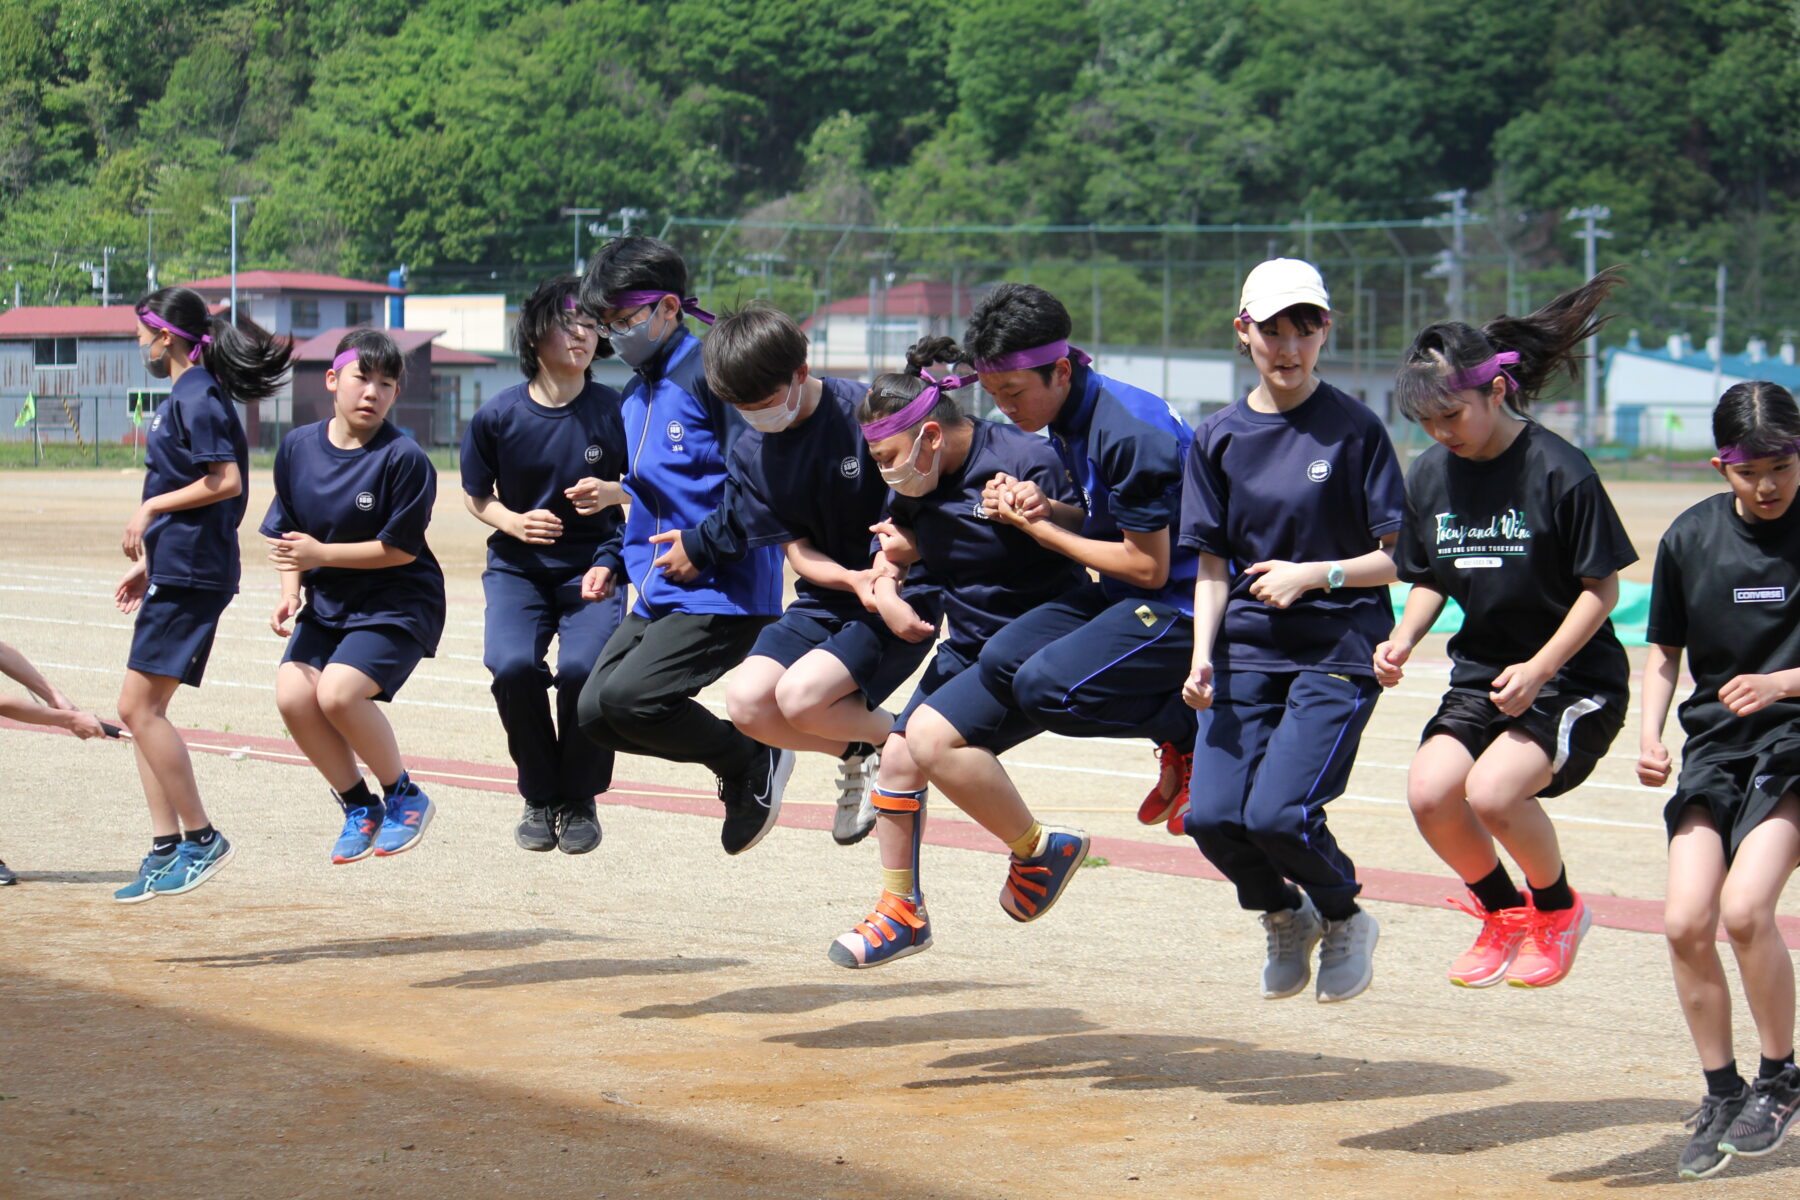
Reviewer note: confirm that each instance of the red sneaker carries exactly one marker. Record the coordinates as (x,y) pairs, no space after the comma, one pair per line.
(1171,791)
(1551,939)
(1502,933)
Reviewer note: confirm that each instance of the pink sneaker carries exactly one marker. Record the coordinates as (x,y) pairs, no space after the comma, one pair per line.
(1551,939)
(1169,794)
(1484,964)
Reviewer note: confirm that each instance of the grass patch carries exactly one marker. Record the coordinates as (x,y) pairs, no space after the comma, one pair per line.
(1094,860)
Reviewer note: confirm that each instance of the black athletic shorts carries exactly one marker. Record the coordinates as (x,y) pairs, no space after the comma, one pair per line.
(1574,728)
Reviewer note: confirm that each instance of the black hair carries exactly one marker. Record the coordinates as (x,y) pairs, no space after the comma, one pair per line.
(1759,418)
(1015,317)
(1308,319)
(545,309)
(895,390)
(751,352)
(631,264)
(248,361)
(376,353)
(1546,342)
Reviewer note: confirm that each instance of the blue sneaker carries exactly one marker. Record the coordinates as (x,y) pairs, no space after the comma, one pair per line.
(357,841)
(1034,884)
(194,865)
(153,868)
(408,813)
(896,928)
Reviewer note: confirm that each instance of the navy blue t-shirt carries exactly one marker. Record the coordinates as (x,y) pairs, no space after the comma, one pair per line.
(814,481)
(195,426)
(1317,483)
(380,492)
(990,572)
(525,455)
(1124,447)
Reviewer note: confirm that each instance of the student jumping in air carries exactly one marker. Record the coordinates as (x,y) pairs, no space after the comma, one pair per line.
(1292,500)
(940,464)
(1727,578)
(353,496)
(1107,659)
(816,679)
(1511,522)
(529,457)
(56,711)
(183,545)
(702,598)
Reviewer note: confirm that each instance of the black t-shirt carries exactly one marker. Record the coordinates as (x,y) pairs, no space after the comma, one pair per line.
(1726,589)
(1510,540)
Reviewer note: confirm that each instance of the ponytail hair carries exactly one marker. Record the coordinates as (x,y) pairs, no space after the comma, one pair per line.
(1758,419)
(894,391)
(248,361)
(376,353)
(1546,342)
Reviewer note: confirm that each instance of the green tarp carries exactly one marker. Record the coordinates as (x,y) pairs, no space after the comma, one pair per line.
(1628,618)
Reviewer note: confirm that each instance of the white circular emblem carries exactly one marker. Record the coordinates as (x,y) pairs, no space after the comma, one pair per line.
(593,454)
(156,422)
(851,467)
(675,431)
(1318,470)
(365,500)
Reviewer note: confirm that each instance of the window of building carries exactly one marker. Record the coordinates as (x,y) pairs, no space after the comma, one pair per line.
(359,312)
(306,314)
(52,353)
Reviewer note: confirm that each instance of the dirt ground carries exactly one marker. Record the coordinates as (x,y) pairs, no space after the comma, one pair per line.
(659,1020)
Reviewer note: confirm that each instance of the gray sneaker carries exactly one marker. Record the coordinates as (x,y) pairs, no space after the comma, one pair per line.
(1292,935)
(855,804)
(1347,957)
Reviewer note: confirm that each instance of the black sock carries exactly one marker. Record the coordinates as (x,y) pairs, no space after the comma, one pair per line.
(1771,1067)
(854,749)
(1337,912)
(202,836)
(1496,890)
(165,843)
(1556,897)
(1725,1080)
(357,797)
(396,787)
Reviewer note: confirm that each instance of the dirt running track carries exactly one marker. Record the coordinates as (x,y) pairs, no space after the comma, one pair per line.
(658,1020)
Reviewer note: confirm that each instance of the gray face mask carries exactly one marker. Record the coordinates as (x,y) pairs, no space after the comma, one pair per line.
(157,365)
(635,346)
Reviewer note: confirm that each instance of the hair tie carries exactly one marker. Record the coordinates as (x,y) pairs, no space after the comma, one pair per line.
(916,410)
(1036,356)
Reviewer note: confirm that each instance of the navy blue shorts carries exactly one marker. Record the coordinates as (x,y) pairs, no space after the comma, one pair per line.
(878,661)
(174,632)
(955,692)
(383,653)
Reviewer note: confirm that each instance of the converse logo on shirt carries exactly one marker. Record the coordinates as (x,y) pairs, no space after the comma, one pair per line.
(1759,595)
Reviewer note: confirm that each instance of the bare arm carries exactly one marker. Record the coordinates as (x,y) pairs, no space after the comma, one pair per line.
(222,481)
(1658,690)
(1515,688)
(539,527)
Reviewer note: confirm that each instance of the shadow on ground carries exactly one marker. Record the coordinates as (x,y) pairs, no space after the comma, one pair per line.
(389,947)
(970,1024)
(579,968)
(76,876)
(807,997)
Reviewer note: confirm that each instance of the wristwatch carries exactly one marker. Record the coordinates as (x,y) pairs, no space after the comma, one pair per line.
(1334,576)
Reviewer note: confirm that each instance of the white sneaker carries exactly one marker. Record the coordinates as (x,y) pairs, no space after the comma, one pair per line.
(1293,933)
(856,803)
(1347,957)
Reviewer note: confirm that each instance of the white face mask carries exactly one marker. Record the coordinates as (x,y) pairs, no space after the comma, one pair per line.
(908,478)
(774,420)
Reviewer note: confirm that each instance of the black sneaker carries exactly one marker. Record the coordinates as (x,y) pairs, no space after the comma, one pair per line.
(7,878)
(577,828)
(1760,1128)
(537,829)
(1702,1157)
(753,801)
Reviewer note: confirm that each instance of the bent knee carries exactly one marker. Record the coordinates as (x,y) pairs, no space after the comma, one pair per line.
(1688,928)
(749,706)
(930,736)
(513,672)
(1745,922)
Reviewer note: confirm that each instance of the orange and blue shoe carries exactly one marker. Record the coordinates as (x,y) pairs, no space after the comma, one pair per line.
(1035,884)
(1551,939)
(896,928)
(408,812)
(1502,933)
(1168,798)
(356,841)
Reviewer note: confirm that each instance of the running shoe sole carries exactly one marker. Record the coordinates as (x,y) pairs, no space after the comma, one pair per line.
(784,767)
(417,837)
(1587,922)
(844,958)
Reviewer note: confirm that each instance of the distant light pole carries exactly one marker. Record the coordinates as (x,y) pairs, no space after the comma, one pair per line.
(577,214)
(234,202)
(1590,404)
(1459,216)
(150,245)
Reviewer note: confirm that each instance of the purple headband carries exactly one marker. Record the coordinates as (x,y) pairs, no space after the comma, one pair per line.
(569,304)
(1485,373)
(346,358)
(916,410)
(156,322)
(689,304)
(1037,356)
(1738,454)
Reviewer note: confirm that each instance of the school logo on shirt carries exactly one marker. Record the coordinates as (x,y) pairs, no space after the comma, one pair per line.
(675,431)
(1761,595)
(365,500)
(156,422)
(593,454)
(850,468)
(978,512)
(1318,470)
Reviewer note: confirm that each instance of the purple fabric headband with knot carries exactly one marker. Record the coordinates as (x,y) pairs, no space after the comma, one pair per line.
(569,304)
(1482,374)
(689,304)
(156,322)
(1037,356)
(1738,454)
(346,358)
(916,410)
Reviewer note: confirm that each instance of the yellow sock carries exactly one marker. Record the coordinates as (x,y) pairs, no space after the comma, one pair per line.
(1026,844)
(899,880)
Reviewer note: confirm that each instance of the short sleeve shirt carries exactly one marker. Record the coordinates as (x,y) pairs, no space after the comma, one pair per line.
(193,428)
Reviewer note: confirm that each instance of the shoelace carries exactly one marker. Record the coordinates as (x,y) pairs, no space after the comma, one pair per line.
(1334,944)
(1284,935)
(1703,1116)
(879,926)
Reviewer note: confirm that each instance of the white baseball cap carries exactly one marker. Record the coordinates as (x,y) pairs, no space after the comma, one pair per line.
(1279,284)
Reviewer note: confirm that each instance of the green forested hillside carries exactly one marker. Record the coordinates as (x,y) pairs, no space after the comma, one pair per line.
(449,134)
